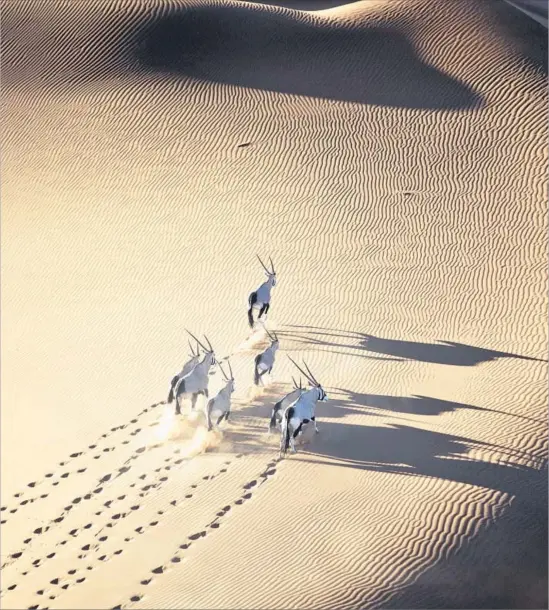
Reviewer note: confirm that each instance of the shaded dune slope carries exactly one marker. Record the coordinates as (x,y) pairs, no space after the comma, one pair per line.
(305,57)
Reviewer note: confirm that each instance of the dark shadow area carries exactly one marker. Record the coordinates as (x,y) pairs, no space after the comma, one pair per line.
(309,339)
(409,450)
(255,418)
(504,566)
(443,352)
(529,36)
(248,47)
(304,5)
(420,405)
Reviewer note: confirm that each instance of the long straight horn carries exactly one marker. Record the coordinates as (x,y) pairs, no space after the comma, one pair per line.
(271,337)
(209,344)
(224,375)
(230,368)
(295,383)
(192,349)
(302,371)
(199,343)
(273,272)
(309,371)
(263,265)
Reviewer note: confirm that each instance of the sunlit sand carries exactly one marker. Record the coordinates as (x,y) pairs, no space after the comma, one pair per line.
(391,158)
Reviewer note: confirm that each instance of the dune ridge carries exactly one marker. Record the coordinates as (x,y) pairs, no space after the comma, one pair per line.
(391,157)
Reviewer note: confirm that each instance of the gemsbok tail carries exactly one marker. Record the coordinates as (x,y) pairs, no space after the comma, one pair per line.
(285,440)
(251,302)
(256,369)
(272,423)
(172,388)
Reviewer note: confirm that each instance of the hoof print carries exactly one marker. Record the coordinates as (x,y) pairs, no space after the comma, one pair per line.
(197,536)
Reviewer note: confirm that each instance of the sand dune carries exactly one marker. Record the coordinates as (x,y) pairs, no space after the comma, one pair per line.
(391,158)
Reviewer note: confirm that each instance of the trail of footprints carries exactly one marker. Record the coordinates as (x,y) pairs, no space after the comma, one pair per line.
(74,533)
(55,479)
(64,583)
(77,576)
(269,471)
(98,489)
(140,530)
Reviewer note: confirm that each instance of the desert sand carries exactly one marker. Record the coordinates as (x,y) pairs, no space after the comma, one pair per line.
(391,157)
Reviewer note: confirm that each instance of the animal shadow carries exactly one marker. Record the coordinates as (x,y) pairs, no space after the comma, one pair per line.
(442,352)
(414,405)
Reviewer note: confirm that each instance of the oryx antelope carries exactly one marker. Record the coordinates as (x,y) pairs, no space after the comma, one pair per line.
(261,298)
(187,368)
(283,404)
(301,412)
(219,407)
(196,381)
(264,361)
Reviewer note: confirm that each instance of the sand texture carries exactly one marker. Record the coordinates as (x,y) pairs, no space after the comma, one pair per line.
(391,157)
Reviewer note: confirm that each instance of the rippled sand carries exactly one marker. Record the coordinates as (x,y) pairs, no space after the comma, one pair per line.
(391,157)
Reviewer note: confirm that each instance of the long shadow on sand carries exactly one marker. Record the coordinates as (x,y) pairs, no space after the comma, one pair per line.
(408,450)
(343,403)
(443,352)
(504,566)
(253,48)
(419,405)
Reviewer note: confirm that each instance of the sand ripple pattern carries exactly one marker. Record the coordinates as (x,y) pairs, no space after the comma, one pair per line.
(397,176)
